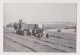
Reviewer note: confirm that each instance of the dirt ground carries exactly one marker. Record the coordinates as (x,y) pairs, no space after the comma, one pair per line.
(57,42)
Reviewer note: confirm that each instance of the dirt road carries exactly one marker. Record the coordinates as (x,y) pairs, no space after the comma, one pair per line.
(17,43)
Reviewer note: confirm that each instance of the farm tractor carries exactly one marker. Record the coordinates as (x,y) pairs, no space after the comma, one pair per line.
(36,30)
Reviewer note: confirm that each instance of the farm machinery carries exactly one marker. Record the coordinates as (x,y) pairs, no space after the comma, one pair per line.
(36,31)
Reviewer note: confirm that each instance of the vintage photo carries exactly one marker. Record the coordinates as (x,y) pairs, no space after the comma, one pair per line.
(40,27)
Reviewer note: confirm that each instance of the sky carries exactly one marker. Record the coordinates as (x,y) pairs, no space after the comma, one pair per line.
(40,12)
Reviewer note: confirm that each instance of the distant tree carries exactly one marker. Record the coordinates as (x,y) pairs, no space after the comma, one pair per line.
(10,25)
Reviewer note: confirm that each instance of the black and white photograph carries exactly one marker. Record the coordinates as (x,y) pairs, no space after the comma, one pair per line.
(40,27)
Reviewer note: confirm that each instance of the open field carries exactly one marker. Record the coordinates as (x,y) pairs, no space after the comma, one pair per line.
(57,42)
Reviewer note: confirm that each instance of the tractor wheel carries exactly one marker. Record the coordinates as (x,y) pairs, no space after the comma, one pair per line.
(39,35)
(47,35)
(22,33)
(29,33)
(16,32)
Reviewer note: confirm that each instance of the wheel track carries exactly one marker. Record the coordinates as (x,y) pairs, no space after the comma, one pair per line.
(43,44)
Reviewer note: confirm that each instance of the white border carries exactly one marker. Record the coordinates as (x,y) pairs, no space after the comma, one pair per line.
(39,1)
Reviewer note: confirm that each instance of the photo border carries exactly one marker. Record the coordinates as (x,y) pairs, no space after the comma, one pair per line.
(39,1)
